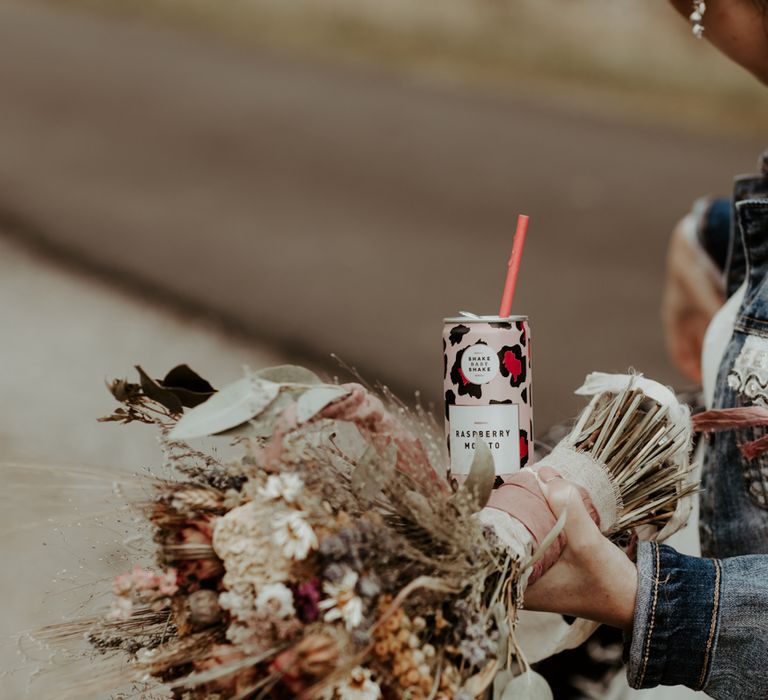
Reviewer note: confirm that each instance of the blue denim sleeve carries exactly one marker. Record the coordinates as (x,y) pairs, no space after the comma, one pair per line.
(702,623)
(714,228)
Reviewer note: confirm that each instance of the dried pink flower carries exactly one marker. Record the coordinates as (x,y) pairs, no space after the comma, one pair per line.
(306,597)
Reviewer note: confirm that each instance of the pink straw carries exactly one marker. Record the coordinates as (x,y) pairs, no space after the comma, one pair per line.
(513,266)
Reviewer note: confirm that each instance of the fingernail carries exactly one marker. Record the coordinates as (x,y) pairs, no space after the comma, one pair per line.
(547,474)
(544,476)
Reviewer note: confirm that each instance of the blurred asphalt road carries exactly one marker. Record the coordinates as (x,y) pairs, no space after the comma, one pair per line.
(63,334)
(329,209)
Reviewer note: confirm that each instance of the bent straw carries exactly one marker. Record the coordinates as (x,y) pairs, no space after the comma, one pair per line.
(513,266)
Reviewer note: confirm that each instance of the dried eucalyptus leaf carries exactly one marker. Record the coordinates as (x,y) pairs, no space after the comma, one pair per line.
(374,472)
(263,425)
(266,423)
(476,685)
(158,393)
(348,440)
(239,431)
(313,401)
(482,475)
(188,386)
(288,374)
(527,686)
(234,405)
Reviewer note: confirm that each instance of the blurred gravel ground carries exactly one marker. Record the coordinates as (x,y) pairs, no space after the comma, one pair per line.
(62,335)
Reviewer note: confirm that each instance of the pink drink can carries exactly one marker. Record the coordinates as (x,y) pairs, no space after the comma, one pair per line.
(488,391)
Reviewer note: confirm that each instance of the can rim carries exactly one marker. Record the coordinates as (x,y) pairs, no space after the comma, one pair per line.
(484,319)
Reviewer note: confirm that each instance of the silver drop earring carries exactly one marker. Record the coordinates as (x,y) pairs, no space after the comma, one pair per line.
(697,17)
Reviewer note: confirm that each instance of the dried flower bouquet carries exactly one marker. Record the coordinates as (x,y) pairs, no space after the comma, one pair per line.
(329,558)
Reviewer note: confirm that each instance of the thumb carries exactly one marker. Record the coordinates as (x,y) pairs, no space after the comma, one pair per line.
(580,530)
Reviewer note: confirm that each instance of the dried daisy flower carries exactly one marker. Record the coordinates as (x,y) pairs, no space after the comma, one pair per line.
(342,602)
(294,535)
(282,486)
(359,685)
(275,600)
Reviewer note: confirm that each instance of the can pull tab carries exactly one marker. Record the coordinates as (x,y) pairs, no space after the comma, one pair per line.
(468,314)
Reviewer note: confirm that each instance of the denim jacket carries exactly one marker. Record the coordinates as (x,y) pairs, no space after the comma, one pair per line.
(703,622)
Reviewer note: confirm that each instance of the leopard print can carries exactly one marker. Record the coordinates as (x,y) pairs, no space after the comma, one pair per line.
(488,391)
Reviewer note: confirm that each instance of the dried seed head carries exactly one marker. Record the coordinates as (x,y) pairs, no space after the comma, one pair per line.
(204,608)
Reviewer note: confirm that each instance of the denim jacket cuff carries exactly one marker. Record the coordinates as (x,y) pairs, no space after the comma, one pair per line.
(676,618)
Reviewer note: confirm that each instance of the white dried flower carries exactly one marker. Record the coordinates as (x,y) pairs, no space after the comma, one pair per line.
(243,541)
(238,604)
(285,486)
(239,633)
(342,602)
(359,686)
(275,600)
(294,535)
(122,608)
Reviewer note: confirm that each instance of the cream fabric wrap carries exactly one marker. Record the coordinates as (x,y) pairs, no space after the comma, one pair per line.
(578,467)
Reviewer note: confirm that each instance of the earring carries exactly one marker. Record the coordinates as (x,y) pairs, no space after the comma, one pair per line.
(697,17)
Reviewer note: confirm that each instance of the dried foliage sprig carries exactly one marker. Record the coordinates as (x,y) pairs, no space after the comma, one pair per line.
(159,401)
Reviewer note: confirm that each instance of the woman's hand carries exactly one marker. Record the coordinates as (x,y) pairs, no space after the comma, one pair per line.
(693,293)
(593,578)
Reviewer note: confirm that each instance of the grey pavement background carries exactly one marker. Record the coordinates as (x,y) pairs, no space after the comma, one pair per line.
(63,334)
(323,209)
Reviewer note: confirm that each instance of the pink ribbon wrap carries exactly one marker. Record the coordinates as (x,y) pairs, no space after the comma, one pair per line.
(521,497)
